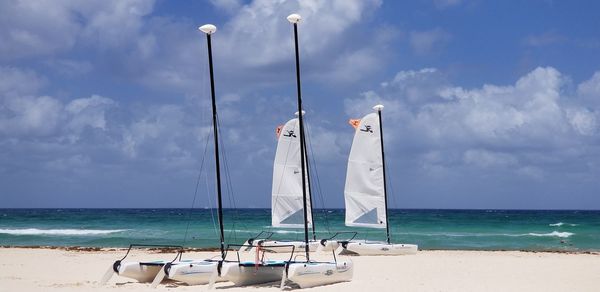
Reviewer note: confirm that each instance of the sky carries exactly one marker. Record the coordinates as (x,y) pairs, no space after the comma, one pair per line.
(488,104)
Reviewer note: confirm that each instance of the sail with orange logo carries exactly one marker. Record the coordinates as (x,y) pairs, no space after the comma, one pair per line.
(287,202)
(364,192)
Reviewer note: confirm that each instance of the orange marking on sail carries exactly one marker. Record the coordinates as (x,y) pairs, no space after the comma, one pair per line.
(354,123)
(278,130)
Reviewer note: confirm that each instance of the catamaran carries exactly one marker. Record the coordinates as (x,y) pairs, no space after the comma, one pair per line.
(366,192)
(202,271)
(140,271)
(191,272)
(240,272)
(286,200)
(310,273)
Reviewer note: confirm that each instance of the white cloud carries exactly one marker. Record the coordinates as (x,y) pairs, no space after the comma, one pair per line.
(589,91)
(48,27)
(70,68)
(15,81)
(88,112)
(27,115)
(428,41)
(24,113)
(227,5)
(583,121)
(544,39)
(501,127)
(488,159)
(258,36)
(113,24)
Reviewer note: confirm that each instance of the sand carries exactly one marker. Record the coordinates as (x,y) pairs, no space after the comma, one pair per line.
(60,270)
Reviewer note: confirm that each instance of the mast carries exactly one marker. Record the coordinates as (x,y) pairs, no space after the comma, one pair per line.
(379,108)
(294,19)
(209,29)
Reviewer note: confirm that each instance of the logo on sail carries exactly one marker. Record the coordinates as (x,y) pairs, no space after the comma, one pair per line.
(367,129)
(354,123)
(290,133)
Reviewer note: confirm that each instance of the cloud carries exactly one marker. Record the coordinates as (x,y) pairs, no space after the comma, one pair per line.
(15,81)
(488,159)
(261,29)
(227,5)
(49,27)
(428,41)
(589,91)
(253,46)
(88,112)
(70,68)
(544,39)
(36,116)
(500,127)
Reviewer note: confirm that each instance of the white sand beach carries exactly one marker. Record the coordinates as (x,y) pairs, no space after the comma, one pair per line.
(25,269)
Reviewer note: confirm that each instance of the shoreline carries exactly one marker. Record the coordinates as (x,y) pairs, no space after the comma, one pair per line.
(159,250)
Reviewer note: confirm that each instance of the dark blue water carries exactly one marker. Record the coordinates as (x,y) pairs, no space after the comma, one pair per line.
(430,229)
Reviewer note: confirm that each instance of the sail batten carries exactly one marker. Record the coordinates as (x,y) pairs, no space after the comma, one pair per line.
(364,191)
(287,203)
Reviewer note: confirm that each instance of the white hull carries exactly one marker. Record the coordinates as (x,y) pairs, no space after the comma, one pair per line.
(282,246)
(379,248)
(328,246)
(140,271)
(242,275)
(308,275)
(194,273)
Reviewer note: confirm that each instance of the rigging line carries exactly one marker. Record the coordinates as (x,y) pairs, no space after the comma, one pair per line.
(196,190)
(391,184)
(318,181)
(229,184)
(210,204)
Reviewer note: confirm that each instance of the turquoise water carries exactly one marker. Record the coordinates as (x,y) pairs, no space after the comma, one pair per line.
(430,229)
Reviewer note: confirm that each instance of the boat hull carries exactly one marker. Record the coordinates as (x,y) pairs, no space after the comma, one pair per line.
(328,245)
(194,273)
(378,248)
(142,272)
(308,275)
(248,274)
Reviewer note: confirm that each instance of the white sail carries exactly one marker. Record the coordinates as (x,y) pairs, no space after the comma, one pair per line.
(364,190)
(286,206)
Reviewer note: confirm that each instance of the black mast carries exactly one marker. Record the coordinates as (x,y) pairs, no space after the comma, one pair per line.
(294,18)
(210,30)
(387,225)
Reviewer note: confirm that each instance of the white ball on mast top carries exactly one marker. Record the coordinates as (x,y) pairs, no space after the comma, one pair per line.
(378,107)
(294,18)
(208,29)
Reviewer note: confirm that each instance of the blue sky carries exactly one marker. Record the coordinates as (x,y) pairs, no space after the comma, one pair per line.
(488,104)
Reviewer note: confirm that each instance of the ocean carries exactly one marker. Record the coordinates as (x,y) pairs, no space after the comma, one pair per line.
(430,229)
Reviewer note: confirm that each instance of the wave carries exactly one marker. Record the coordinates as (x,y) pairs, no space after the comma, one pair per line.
(561,224)
(553,233)
(288,232)
(35,231)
